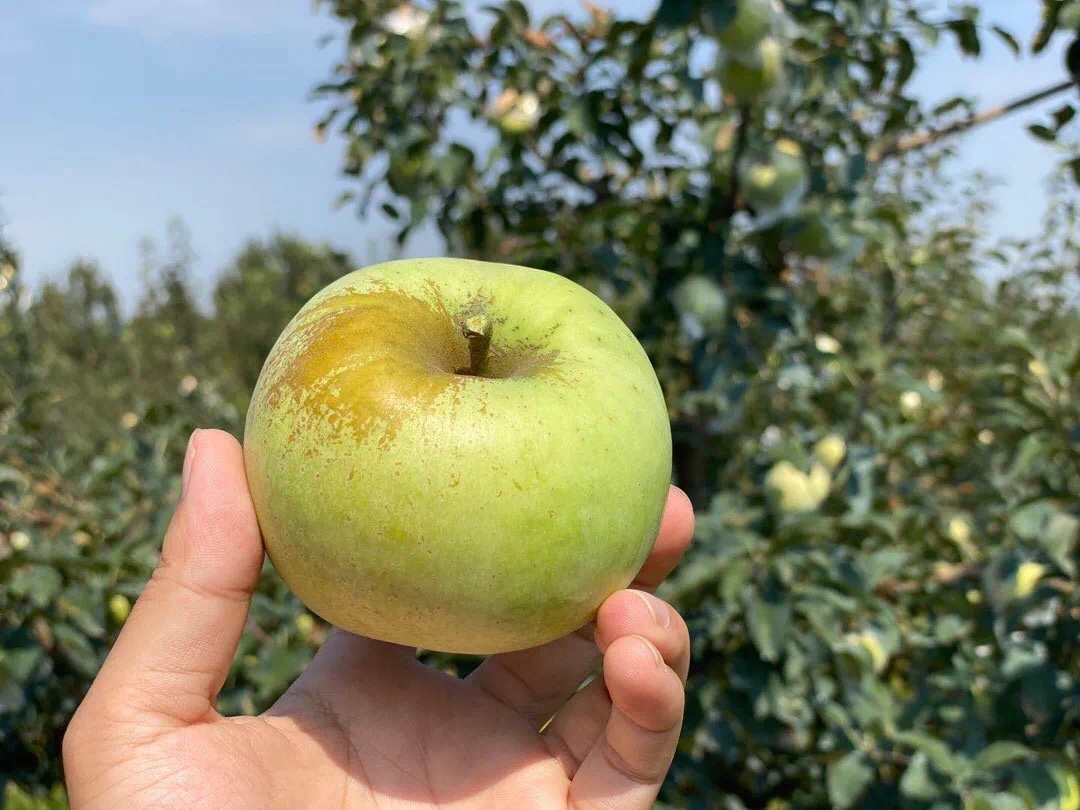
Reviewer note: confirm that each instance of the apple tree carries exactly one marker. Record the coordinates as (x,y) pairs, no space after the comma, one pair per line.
(881,443)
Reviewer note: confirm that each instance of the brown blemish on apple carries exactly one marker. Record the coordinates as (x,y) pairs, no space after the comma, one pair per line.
(364,363)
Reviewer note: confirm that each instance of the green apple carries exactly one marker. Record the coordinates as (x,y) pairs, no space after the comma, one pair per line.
(703,299)
(1027,578)
(749,76)
(119,608)
(752,21)
(776,180)
(818,233)
(457,455)
(960,532)
(516,113)
(792,490)
(870,641)
(831,450)
(911,404)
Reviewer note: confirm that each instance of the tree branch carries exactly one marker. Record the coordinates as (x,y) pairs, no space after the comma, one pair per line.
(742,140)
(901,146)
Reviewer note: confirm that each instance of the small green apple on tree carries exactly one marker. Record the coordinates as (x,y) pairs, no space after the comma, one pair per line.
(743,29)
(817,232)
(456,455)
(749,76)
(792,490)
(702,302)
(516,113)
(776,181)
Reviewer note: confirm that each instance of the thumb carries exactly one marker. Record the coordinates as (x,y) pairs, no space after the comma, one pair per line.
(175,650)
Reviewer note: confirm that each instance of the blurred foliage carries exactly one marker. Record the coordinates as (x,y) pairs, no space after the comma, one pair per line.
(876,407)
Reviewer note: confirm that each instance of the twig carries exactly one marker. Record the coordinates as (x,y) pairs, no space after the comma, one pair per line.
(742,139)
(901,146)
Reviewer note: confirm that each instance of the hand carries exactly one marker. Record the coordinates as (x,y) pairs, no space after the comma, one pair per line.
(368,725)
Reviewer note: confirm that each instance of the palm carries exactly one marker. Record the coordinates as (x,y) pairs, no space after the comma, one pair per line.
(411,735)
(367,724)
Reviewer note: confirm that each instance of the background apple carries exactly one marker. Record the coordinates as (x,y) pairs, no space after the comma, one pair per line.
(752,21)
(830,451)
(778,179)
(750,75)
(516,113)
(702,299)
(793,490)
(456,455)
(819,232)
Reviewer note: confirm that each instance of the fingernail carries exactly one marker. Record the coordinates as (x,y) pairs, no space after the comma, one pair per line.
(657,609)
(652,648)
(189,458)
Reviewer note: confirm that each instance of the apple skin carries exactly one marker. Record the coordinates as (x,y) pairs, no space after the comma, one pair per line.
(792,490)
(753,20)
(701,298)
(405,502)
(750,76)
(830,451)
(778,180)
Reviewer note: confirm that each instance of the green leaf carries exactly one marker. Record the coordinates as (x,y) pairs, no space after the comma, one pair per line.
(718,14)
(967,36)
(9,475)
(39,584)
(847,779)
(517,13)
(981,800)
(1004,752)
(1074,167)
(1040,785)
(20,662)
(1063,115)
(1007,38)
(579,119)
(1030,521)
(917,783)
(1043,133)
(455,165)
(1029,452)
(734,576)
(1060,539)
(674,13)
(944,759)
(76,649)
(768,617)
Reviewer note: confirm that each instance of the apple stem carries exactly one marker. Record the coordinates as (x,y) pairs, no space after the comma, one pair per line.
(477,330)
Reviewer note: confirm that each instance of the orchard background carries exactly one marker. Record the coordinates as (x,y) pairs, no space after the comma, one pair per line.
(875,403)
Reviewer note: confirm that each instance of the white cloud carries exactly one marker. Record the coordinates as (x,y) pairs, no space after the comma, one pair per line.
(200,17)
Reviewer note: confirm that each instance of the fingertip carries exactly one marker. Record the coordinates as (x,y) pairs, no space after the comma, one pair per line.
(678,516)
(638,613)
(215,532)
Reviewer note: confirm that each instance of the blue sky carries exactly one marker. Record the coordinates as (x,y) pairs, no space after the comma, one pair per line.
(122,114)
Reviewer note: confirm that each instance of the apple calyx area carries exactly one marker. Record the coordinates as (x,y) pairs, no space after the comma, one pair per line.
(477,329)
